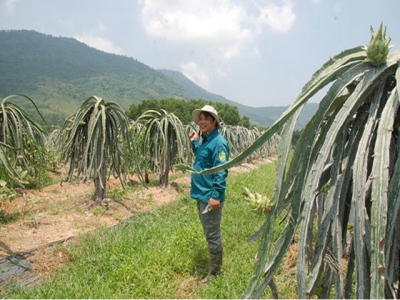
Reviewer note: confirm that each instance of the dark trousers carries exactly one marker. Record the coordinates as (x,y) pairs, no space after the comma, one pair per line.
(211,222)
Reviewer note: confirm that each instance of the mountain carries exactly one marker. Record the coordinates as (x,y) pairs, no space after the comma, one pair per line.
(59,73)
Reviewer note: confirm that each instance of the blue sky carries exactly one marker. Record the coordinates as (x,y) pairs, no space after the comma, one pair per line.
(255,52)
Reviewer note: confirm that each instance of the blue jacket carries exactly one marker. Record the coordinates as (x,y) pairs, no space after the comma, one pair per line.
(213,151)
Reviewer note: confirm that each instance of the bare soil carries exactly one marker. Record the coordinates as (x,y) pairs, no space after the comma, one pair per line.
(60,212)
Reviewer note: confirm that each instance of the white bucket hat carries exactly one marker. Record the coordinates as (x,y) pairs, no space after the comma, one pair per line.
(206,108)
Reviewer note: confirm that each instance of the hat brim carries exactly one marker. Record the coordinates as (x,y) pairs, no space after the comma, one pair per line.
(196,115)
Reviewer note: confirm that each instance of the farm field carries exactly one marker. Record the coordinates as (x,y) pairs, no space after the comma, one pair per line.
(59,213)
(336,193)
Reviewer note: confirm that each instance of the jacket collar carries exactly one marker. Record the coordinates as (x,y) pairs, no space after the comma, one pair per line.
(210,135)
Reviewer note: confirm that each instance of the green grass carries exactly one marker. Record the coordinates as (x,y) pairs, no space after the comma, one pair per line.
(6,218)
(163,253)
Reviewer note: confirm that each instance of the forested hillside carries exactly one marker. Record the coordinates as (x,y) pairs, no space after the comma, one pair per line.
(59,73)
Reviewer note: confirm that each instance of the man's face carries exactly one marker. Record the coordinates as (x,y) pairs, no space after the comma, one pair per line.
(206,123)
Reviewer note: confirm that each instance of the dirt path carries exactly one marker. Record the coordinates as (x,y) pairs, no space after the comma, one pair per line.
(58,213)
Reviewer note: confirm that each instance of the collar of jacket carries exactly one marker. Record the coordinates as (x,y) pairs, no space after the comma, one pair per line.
(210,135)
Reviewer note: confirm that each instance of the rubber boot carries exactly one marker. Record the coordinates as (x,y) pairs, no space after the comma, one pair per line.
(214,268)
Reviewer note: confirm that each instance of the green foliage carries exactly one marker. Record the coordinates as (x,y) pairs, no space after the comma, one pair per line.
(244,122)
(52,145)
(6,218)
(40,163)
(118,193)
(6,195)
(183,110)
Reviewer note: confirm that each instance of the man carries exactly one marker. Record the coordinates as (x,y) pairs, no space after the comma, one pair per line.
(209,190)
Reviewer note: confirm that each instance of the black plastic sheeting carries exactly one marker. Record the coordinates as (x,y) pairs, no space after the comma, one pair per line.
(15,271)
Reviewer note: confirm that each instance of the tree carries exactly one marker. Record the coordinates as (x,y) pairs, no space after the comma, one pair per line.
(96,138)
(244,122)
(229,114)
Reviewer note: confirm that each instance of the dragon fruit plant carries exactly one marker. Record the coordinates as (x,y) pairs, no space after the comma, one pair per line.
(344,172)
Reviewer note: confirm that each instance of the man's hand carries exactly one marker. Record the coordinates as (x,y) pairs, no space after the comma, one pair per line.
(193,136)
(214,203)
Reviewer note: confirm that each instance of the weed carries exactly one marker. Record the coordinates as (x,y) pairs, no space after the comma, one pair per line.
(6,217)
(118,193)
(27,205)
(54,191)
(97,211)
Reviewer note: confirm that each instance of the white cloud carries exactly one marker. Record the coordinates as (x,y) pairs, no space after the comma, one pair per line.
(278,18)
(219,24)
(98,43)
(9,6)
(196,74)
(214,31)
(223,22)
